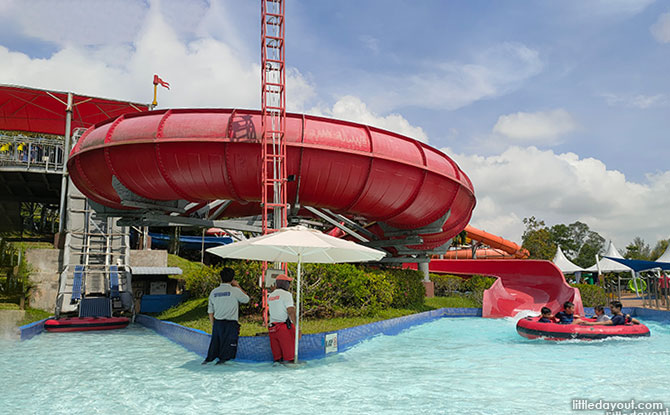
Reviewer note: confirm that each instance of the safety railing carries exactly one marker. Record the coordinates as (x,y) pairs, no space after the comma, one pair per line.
(31,153)
(653,288)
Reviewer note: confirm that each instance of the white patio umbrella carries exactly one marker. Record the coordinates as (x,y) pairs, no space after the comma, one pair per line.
(298,244)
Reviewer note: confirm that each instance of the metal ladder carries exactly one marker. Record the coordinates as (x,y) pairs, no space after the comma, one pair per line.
(95,260)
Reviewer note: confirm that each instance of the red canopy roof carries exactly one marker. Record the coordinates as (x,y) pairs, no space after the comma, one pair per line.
(42,111)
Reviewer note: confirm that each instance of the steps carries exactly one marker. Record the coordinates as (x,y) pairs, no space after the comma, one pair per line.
(95,276)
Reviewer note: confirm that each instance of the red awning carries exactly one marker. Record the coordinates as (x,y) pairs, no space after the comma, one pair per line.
(43,111)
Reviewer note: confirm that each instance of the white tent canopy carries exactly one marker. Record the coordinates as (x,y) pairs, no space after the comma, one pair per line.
(564,264)
(607,265)
(666,255)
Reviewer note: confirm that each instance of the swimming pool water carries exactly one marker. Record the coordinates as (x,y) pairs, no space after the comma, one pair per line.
(450,365)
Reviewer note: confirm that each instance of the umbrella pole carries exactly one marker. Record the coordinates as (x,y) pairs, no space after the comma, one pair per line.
(297,311)
(637,292)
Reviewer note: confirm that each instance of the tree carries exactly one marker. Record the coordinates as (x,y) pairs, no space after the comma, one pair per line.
(562,235)
(638,249)
(537,239)
(593,244)
(579,243)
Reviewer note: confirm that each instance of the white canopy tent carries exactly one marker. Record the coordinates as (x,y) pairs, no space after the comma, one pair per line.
(564,264)
(607,265)
(666,255)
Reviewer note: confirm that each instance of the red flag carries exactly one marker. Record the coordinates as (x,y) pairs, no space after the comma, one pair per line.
(157,81)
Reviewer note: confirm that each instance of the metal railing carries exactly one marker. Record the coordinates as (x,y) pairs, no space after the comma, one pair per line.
(31,153)
(652,290)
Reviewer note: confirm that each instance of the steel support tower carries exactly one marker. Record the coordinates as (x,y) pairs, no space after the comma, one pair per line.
(273,121)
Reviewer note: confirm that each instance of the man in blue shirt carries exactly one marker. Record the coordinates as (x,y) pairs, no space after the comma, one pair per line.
(567,316)
(223,306)
(618,318)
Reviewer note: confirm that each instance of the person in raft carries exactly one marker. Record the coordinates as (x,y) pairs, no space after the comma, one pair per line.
(618,318)
(567,316)
(281,321)
(546,316)
(223,310)
(600,313)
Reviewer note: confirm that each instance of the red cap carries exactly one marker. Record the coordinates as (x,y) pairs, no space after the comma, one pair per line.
(283,277)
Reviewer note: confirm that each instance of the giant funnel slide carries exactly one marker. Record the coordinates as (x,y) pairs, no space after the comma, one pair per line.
(201,155)
(521,285)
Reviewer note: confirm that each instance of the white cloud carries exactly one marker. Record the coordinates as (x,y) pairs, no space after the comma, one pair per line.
(202,72)
(563,188)
(493,72)
(451,85)
(535,127)
(639,101)
(661,29)
(353,109)
(370,42)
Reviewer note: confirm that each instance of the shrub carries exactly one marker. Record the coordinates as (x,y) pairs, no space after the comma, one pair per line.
(592,295)
(447,285)
(476,285)
(472,288)
(200,281)
(344,289)
(408,289)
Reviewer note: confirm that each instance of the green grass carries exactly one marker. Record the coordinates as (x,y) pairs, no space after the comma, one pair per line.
(25,245)
(186,266)
(34,314)
(193,313)
(31,315)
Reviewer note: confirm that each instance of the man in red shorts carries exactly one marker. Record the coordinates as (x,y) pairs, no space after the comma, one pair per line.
(281,321)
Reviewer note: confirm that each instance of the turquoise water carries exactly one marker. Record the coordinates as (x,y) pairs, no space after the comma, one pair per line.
(451,365)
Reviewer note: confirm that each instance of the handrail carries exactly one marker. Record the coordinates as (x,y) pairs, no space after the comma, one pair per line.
(32,153)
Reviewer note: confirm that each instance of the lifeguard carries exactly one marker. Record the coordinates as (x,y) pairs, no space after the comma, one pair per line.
(281,322)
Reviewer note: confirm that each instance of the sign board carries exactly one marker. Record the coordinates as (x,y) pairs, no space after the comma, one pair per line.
(158,288)
(331,343)
(271,276)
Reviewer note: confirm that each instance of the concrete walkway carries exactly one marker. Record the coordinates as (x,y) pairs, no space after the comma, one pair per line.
(9,323)
(631,300)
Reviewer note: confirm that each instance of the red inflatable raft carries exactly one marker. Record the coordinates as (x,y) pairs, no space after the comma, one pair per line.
(530,328)
(85,323)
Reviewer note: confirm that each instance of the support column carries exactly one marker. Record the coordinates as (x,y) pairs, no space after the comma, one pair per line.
(427,283)
(60,237)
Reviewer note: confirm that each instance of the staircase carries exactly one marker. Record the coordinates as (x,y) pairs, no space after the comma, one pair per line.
(95,279)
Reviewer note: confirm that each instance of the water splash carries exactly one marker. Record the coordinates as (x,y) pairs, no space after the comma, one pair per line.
(522,314)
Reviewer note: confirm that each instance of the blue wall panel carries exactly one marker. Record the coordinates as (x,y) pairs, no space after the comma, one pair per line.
(312,346)
(31,330)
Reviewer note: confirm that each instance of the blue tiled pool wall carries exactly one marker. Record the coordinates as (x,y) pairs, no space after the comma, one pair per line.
(649,314)
(31,330)
(312,346)
(194,340)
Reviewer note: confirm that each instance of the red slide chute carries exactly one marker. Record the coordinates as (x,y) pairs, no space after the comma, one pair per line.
(522,284)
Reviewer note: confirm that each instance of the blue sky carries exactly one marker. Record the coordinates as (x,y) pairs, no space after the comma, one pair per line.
(554,109)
